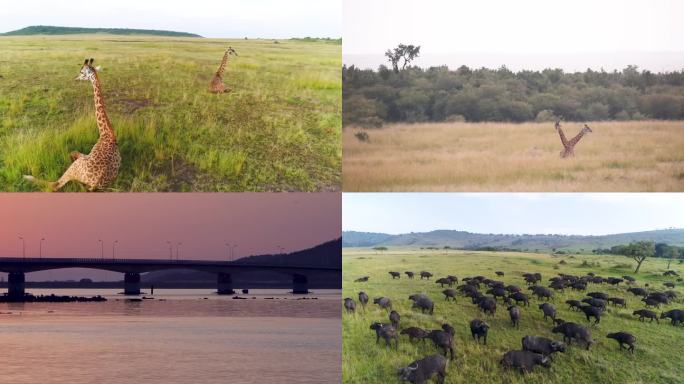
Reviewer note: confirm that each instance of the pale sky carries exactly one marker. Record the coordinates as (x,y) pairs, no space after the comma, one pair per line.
(512,213)
(209,18)
(522,34)
(532,26)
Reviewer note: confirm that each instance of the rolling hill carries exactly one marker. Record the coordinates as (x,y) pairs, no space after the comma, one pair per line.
(532,242)
(325,255)
(52,30)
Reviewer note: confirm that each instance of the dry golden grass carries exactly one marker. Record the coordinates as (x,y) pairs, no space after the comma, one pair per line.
(617,156)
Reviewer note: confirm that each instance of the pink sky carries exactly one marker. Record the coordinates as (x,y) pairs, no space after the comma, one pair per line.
(143,222)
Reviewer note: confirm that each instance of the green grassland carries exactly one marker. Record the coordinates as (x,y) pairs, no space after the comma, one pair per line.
(657,358)
(278,130)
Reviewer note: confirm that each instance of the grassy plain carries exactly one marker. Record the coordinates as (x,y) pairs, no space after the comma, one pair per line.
(655,360)
(279,128)
(617,156)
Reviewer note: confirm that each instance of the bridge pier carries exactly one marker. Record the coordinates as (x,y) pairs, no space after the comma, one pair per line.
(131,283)
(224,284)
(16,285)
(300,284)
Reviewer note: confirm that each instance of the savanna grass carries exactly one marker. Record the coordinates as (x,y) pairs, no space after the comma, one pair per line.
(655,360)
(618,156)
(277,130)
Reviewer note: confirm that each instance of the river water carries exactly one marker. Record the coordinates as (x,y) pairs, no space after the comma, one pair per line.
(178,336)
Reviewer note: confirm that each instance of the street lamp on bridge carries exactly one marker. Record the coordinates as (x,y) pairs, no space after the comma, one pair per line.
(114,249)
(170,250)
(232,252)
(40,252)
(227,251)
(101,249)
(178,250)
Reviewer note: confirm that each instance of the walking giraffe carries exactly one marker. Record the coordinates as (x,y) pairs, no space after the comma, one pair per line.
(216,85)
(569,145)
(99,168)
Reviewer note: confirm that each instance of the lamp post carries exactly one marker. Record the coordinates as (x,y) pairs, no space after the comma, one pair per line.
(40,252)
(227,251)
(232,252)
(178,251)
(170,250)
(101,248)
(114,249)
(23,247)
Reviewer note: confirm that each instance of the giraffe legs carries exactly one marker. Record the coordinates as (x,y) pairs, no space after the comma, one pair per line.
(73,173)
(567,152)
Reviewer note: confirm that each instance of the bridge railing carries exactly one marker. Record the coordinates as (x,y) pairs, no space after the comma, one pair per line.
(119,261)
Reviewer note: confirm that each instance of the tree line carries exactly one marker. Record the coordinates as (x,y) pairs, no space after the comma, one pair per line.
(437,94)
(640,250)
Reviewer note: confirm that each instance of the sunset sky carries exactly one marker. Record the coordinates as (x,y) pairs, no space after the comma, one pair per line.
(143,223)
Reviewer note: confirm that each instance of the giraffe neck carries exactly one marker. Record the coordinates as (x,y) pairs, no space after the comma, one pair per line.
(104,126)
(222,67)
(564,140)
(575,139)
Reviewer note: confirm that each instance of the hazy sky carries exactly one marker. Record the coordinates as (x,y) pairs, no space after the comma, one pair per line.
(444,26)
(518,213)
(142,222)
(209,18)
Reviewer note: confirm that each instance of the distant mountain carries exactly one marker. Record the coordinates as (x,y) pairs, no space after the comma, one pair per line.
(363,239)
(542,242)
(51,30)
(326,255)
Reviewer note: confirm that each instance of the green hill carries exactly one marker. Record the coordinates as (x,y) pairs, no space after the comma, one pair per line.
(51,30)
(541,242)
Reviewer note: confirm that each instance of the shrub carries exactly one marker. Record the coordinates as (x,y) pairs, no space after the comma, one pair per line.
(455,118)
(546,115)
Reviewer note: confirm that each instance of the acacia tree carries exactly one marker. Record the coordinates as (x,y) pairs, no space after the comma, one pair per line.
(402,52)
(380,249)
(639,251)
(673,253)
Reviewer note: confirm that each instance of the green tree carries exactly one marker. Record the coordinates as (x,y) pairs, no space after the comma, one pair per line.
(402,52)
(673,254)
(380,249)
(638,251)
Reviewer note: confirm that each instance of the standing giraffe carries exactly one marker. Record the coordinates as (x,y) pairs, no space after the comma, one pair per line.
(216,85)
(569,145)
(100,167)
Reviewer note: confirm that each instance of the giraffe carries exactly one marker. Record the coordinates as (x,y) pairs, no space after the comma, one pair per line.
(569,145)
(216,85)
(100,167)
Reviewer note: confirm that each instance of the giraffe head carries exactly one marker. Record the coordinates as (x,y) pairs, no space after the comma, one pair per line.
(87,70)
(557,125)
(586,129)
(231,51)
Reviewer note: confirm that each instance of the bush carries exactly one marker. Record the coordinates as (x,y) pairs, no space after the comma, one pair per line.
(622,115)
(546,115)
(455,119)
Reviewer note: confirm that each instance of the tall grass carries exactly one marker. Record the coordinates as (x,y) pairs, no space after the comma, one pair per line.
(279,128)
(365,362)
(618,156)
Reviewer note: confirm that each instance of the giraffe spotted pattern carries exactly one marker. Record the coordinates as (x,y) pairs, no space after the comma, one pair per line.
(99,168)
(569,145)
(216,85)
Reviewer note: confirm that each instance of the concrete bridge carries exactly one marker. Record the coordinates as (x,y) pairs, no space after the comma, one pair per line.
(17,267)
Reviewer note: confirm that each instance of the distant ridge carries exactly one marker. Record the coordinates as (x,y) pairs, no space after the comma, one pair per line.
(532,242)
(52,30)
